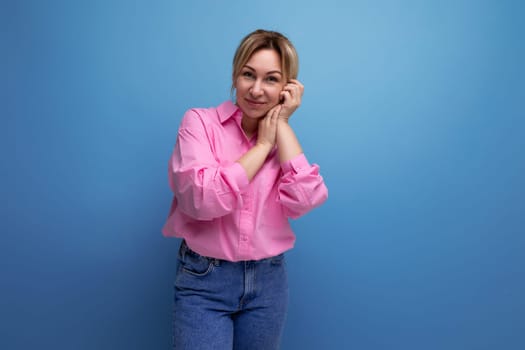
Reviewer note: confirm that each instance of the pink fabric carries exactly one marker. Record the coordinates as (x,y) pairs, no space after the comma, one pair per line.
(216,209)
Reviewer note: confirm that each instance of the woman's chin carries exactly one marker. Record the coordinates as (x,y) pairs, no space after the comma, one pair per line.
(255,114)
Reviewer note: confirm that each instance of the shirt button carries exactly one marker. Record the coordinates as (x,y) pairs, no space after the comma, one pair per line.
(244,238)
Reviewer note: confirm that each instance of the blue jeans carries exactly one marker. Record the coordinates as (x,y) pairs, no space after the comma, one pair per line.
(229,305)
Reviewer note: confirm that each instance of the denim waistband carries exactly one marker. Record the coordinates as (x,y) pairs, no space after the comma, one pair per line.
(185,249)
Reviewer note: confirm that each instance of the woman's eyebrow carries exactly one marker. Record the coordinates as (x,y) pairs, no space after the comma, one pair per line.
(270,72)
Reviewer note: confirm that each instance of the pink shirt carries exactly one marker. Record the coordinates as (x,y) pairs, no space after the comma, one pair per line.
(216,209)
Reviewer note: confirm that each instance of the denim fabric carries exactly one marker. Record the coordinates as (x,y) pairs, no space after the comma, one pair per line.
(229,305)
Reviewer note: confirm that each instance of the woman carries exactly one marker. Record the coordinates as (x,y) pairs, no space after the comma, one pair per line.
(238,174)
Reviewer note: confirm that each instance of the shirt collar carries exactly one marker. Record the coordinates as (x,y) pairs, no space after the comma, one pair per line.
(227,110)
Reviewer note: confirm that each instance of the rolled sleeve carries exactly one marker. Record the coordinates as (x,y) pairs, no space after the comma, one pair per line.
(302,188)
(209,193)
(295,164)
(204,188)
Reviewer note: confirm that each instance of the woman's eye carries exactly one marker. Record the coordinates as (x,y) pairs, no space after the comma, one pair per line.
(272,79)
(247,74)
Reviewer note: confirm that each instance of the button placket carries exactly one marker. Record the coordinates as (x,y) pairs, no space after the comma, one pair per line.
(246,224)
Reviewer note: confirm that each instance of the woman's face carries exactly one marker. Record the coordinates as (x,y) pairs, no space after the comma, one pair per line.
(259,83)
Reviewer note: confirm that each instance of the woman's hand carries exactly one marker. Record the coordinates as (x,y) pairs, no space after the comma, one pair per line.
(291,97)
(253,160)
(267,132)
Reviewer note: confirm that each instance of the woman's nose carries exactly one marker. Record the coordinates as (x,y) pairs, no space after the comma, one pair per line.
(256,89)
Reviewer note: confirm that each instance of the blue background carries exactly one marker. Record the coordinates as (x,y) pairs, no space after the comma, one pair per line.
(413,109)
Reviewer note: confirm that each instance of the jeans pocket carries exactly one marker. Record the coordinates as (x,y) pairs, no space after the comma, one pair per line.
(195,264)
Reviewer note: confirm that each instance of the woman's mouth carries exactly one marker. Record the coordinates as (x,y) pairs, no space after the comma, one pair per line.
(254,104)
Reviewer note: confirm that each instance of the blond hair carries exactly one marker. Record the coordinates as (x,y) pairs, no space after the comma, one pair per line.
(265,39)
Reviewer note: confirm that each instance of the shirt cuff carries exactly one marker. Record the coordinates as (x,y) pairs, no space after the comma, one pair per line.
(296,164)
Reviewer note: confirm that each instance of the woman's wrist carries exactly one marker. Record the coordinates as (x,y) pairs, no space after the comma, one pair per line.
(264,146)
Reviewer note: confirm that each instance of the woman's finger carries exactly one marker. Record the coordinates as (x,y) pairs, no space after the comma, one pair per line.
(286,95)
(275,115)
(296,86)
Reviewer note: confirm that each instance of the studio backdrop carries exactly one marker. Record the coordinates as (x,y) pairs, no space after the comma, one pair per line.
(414,111)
